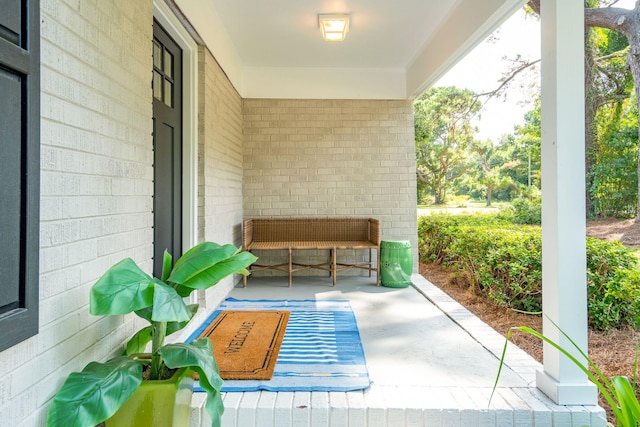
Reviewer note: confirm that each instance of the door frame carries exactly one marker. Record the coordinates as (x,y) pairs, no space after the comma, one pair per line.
(165,16)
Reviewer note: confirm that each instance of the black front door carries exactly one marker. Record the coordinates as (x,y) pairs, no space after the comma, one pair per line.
(167,147)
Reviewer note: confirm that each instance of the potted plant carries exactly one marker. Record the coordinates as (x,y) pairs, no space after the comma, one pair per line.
(94,395)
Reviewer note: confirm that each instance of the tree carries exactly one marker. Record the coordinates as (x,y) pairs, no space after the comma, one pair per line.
(443,130)
(613,178)
(608,85)
(527,143)
(627,23)
(492,163)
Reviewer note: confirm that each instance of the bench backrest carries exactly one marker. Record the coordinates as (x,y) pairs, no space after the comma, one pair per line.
(311,229)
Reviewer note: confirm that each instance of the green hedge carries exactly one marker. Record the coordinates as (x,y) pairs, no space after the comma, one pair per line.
(504,261)
(524,211)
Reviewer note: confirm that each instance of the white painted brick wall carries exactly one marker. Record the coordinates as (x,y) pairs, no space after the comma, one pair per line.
(274,158)
(219,165)
(331,158)
(220,155)
(96,189)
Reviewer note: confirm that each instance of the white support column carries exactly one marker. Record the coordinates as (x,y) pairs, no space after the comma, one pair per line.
(564,287)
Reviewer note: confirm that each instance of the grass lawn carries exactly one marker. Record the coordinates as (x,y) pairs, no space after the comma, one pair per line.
(465,207)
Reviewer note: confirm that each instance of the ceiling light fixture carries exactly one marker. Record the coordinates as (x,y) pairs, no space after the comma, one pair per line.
(334,27)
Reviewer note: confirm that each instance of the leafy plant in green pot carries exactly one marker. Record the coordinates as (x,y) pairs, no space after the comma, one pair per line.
(97,392)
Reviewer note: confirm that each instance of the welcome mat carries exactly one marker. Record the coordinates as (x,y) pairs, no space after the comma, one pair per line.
(321,349)
(246,343)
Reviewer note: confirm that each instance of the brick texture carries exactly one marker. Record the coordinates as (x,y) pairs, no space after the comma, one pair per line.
(331,158)
(219,164)
(255,158)
(220,154)
(96,192)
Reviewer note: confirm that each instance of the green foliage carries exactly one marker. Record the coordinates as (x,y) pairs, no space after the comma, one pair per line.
(613,285)
(197,356)
(461,201)
(96,393)
(613,178)
(527,149)
(89,397)
(524,211)
(503,261)
(437,231)
(450,161)
(443,131)
(617,390)
(611,125)
(487,170)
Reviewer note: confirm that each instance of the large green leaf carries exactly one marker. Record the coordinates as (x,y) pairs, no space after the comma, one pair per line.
(176,326)
(208,263)
(145,313)
(198,356)
(197,250)
(138,343)
(167,261)
(124,288)
(629,414)
(93,395)
(172,327)
(168,306)
(183,291)
(211,276)
(198,258)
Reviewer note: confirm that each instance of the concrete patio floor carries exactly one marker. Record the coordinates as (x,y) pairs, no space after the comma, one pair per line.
(431,362)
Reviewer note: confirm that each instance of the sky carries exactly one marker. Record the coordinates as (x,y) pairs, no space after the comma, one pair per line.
(481,70)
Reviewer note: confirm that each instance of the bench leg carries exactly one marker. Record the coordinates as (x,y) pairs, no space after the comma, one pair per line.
(378,267)
(370,263)
(334,257)
(290,266)
(244,278)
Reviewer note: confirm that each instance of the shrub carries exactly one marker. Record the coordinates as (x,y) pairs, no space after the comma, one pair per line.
(504,262)
(459,201)
(435,232)
(613,285)
(524,211)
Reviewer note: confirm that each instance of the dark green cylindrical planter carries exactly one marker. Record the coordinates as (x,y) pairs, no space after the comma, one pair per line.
(396,263)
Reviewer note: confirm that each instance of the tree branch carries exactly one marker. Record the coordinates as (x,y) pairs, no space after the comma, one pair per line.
(613,18)
(506,81)
(612,55)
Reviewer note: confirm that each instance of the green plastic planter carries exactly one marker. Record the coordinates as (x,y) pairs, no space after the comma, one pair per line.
(396,263)
(165,403)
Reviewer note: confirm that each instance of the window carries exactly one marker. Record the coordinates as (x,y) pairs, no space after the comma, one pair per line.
(19,169)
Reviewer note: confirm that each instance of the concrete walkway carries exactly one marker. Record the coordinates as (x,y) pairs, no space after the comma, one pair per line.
(431,361)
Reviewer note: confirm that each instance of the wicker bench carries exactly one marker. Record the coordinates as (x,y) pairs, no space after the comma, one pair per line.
(289,234)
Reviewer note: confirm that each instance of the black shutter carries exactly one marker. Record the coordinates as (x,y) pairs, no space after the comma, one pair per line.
(19,169)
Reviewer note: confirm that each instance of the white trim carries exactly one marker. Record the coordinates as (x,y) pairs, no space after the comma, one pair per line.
(329,83)
(163,14)
(203,17)
(468,23)
(465,28)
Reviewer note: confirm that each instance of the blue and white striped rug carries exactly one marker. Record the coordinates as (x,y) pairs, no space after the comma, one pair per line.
(321,349)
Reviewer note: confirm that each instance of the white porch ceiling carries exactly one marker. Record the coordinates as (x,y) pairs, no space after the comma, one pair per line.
(394,49)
